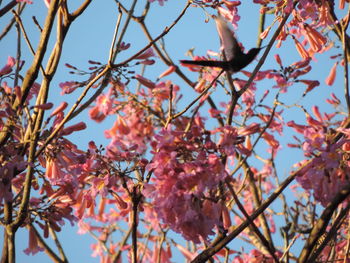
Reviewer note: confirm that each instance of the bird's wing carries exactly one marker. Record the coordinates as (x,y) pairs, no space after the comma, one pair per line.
(228,40)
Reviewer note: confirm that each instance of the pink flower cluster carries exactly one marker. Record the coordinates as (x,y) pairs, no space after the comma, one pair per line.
(129,136)
(328,168)
(187,170)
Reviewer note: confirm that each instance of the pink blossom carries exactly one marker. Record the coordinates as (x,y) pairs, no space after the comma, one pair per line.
(170,70)
(308,10)
(105,102)
(7,69)
(104,106)
(229,139)
(60,108)
(316,40)
(68,87)
(96,115)
(73,128)
(181,178)
(146,82)
(265,33)
(147,54)
(311,84)
(45,106)
(33,246)
(332,74)
(129,136)
(326,172)
(301,50)
(334,100)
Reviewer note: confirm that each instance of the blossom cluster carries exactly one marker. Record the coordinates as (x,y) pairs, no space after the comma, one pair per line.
(326,171)
(188,169)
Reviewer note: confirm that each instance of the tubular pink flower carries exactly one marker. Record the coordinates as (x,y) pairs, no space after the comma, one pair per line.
(265,33)
(8,67)
(147,54)
(250,129)
(76,127)
(170,70)
(332,74)
(310,83)
(45,106)
(146,82)
(334,101)
(60,108)
(226,217)
(316,40)
(300,48)
(278,59)
(301,64)
(120,202)
(96,115)
(33,246)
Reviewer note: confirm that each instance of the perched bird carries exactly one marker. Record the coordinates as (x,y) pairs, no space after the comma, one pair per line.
(235,58)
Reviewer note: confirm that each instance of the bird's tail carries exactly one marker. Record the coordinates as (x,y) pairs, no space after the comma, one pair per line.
(206,63)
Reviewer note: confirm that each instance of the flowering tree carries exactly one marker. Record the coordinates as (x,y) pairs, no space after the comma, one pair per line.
(204,166)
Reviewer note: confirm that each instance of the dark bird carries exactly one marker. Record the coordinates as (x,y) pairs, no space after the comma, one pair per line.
(235,58)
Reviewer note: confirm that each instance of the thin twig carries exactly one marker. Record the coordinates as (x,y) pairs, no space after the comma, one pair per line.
(256,141)
(19,21)
(123,31)
(116,256)
(36,22)
(58,244)
(199,97)
(105,80)
(18,56)
(76,104)
(159,256)
(256,230)
(80,10)
(261,28)
(11,23)
(112,50)
(266,52)
(165,31)
(286,252)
